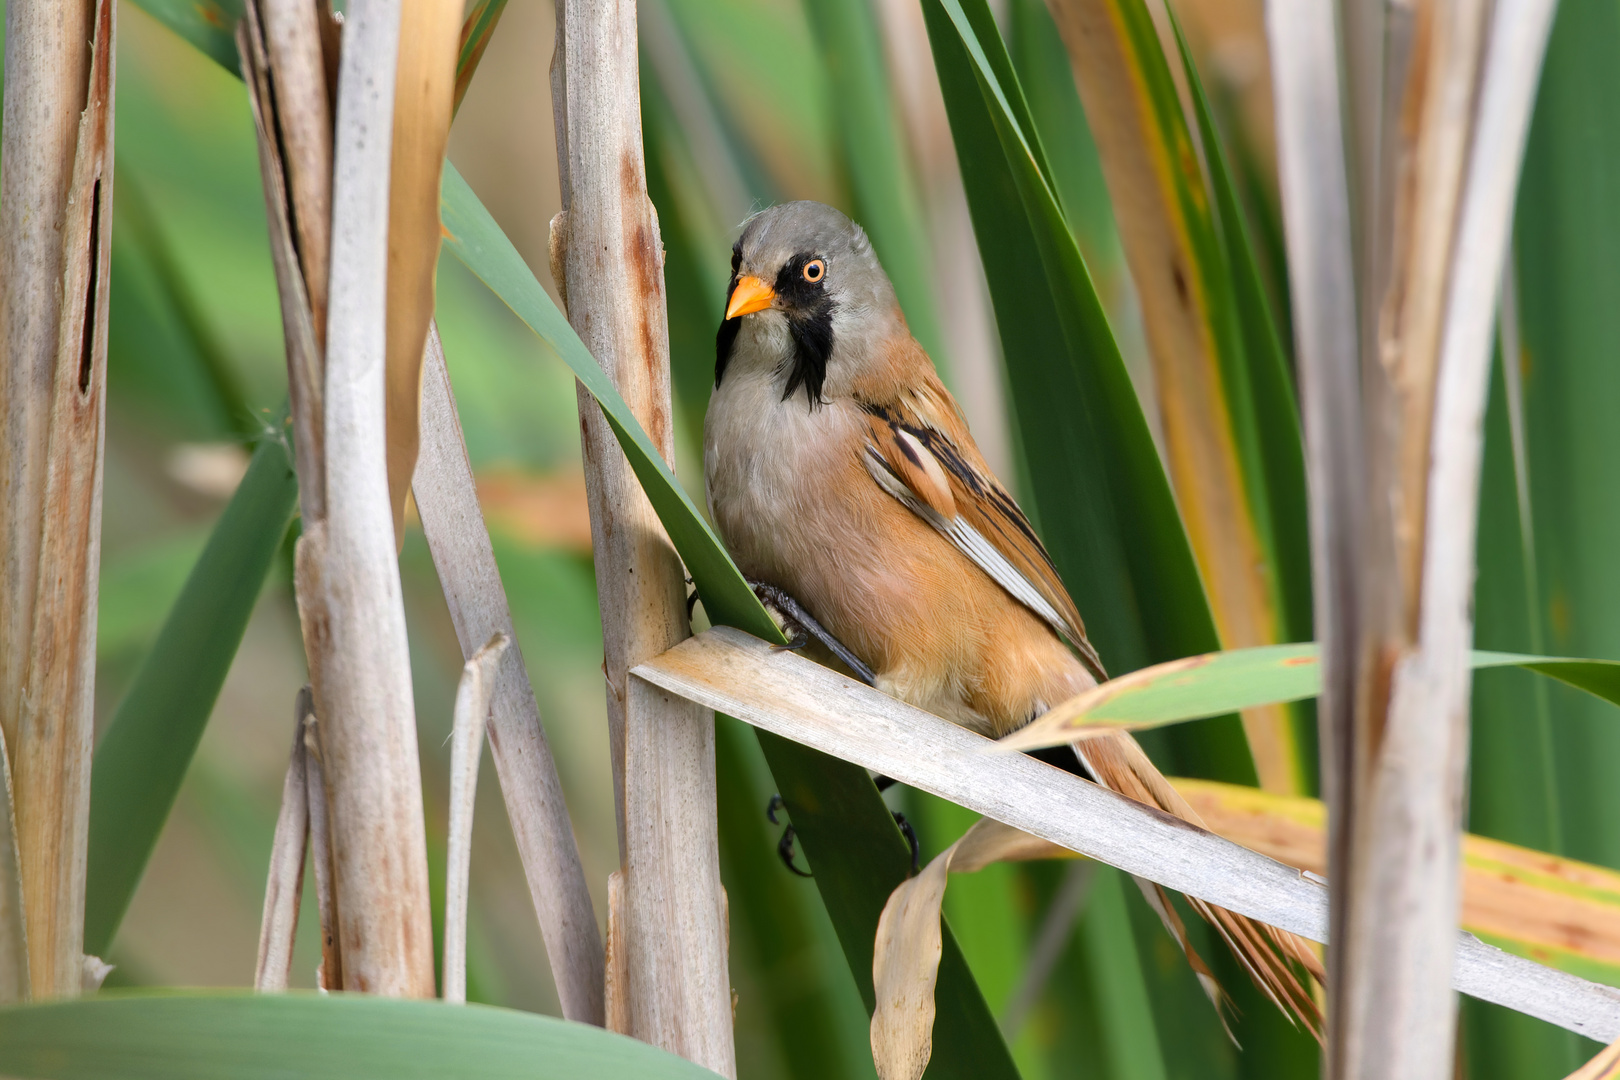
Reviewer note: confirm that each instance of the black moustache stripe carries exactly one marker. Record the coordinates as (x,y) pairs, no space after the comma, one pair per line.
(812,347)
(809,312)
(727,336)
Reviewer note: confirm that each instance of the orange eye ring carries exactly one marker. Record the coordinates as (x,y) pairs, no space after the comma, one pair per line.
(814,271)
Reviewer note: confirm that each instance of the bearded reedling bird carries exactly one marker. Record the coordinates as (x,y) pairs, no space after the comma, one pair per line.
(842,477)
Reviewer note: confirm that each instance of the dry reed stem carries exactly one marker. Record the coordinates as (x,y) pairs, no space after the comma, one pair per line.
(473,696)
(46,74)
(675,936)
(447,500)
(305,363)
(368,716)
(284,884)
(13,926)
(1394,467)
(303,107)
(1398,1017)
(330,973)
(1322,268)
(729,671)
(617,975)
(608,247)
(52,729)
(424,93)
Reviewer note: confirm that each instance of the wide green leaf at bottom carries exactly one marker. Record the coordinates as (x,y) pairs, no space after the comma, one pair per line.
(234,1035)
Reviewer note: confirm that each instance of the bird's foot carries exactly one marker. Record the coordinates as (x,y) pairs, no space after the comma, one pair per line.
(784,846)
(911,840)
(801,626)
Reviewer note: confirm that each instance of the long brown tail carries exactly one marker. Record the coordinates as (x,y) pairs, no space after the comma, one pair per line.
(1280,963)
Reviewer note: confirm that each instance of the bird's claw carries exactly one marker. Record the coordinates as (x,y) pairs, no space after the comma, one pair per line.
(795,643)
(803,626)
(910,834)
(784,846)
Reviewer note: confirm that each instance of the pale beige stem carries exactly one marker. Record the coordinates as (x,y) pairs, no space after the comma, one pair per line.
(13,926)
(473,697)
(608,248)
(305,363)
(330,974)
(46,71)
(53,327)
(447,500)
(368,715)
(284,885)
(303,106)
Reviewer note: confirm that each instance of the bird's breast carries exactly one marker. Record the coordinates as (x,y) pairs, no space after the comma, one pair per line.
(769,465)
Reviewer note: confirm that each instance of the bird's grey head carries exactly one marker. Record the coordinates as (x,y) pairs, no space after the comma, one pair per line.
(807,297)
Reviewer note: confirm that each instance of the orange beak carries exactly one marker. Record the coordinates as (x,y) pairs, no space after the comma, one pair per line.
(750,295)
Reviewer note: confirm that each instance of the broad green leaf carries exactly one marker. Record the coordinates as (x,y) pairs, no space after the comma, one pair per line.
(1217,683)
(210,25)
(1181,254)
(1558,780)
(235,1035)
(787,964)
(1101,497)
(143,756)
(846,831)
(1514,772)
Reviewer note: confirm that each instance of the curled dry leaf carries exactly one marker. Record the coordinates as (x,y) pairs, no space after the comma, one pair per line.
(905,959)
(1605,1066)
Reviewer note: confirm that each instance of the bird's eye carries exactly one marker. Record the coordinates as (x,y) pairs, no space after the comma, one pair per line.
(814,271)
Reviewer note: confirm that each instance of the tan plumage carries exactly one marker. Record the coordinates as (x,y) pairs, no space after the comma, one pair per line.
(841,471)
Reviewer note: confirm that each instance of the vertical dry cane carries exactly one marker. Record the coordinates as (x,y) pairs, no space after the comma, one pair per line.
(464,559)
(607,249)
(1440,101)
(55,236)
(365,704)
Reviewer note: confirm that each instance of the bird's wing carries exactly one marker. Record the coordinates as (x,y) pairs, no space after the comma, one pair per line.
(918,449)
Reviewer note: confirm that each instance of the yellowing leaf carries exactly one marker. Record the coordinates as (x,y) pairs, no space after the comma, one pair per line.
(1556,911)
(424,97)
